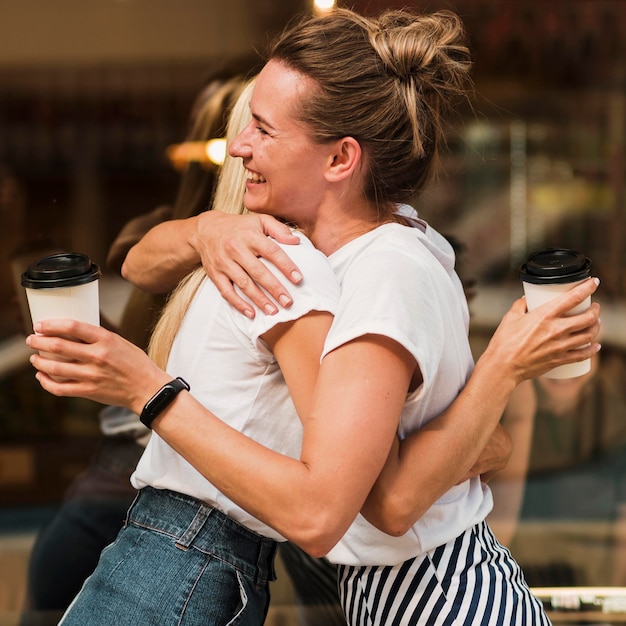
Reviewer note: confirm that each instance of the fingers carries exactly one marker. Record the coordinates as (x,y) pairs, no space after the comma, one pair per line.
(102,366)
(576,296)
(57,387)
(229,293)
(277,230)
(258,282)
(67,328)
(56,355)
(270,251)
(571,313)
(518,307)
(589,319)
(247,278)
(231,249)
(240,264)
(548,336)
(58,361)
(582,353)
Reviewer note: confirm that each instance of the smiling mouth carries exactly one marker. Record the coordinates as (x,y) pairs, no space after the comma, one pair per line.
(253,177)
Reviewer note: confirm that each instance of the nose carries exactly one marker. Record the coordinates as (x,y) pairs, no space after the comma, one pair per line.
(240,146)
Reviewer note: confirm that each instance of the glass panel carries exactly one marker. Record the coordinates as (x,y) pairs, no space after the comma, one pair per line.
(91,96)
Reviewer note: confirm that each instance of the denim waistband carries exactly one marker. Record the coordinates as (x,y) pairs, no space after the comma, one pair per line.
(195,524)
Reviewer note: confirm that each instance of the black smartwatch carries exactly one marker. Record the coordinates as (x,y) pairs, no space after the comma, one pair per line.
(161,399)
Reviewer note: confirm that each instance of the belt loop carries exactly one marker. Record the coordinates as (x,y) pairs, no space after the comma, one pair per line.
(265,562)
(131,507)
(195,527)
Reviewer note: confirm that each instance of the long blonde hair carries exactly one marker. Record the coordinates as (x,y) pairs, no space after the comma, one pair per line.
(228,198)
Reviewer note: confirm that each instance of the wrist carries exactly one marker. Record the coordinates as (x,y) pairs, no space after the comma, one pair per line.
(496,373)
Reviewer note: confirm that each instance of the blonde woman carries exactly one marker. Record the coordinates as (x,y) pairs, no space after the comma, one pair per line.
(340,96)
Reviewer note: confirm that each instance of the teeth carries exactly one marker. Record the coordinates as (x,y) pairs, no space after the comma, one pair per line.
(255,178)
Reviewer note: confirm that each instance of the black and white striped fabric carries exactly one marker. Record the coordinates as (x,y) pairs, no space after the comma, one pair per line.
(472,581)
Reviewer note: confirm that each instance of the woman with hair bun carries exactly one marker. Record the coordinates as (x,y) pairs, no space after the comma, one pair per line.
(346,120)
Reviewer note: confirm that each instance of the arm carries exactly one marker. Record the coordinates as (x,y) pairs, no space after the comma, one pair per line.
(311,500)
(227,245)
(162,257)
(132,232)
(436,457)
(494,457)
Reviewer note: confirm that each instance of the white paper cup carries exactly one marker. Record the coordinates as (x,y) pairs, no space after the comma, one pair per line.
(547,274)
(63,286)
(79,302)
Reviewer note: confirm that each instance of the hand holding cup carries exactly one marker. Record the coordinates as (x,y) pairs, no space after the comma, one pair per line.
(63,286)
(548,273)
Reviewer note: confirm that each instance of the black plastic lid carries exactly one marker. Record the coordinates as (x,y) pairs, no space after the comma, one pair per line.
(555,265)
(66,269)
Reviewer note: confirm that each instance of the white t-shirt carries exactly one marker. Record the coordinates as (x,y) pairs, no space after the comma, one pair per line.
(218,351)
(400,282)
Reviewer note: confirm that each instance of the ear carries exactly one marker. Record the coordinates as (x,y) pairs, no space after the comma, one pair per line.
(345,159)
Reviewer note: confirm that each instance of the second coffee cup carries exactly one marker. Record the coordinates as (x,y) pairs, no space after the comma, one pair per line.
(548,273)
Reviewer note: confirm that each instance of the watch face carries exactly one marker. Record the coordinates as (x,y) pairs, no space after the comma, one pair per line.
(161,400)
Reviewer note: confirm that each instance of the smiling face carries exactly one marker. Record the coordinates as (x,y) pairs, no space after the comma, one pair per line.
(285,167)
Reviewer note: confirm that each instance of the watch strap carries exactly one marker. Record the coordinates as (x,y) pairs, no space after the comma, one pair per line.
(162,399)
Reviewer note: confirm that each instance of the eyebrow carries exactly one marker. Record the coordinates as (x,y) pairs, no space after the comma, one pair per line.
(261,119)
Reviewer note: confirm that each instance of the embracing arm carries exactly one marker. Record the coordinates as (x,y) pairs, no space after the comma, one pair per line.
(131,233)
(162,257)
(229,247)
(430,461)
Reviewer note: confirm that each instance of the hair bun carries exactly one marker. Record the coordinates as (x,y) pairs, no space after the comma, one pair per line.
(431,47)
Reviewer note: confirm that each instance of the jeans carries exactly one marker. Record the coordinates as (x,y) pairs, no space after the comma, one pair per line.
(177,561)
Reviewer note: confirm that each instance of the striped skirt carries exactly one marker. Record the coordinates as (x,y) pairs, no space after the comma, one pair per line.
(470,581)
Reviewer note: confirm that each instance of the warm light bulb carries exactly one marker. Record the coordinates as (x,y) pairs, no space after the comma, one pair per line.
(324,5)
(204,152)
(216,150)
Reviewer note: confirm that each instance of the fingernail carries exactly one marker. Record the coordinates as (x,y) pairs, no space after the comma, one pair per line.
(296,277)
(249,314)
(596,281)
(270,309)
(284,300)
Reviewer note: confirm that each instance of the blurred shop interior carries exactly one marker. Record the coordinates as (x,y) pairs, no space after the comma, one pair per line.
(92,94)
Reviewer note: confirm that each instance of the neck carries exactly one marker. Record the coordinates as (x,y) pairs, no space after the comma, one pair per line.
(338,225)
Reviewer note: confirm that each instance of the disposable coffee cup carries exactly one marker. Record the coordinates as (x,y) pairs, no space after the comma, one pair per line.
(63,286)
(548,273)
